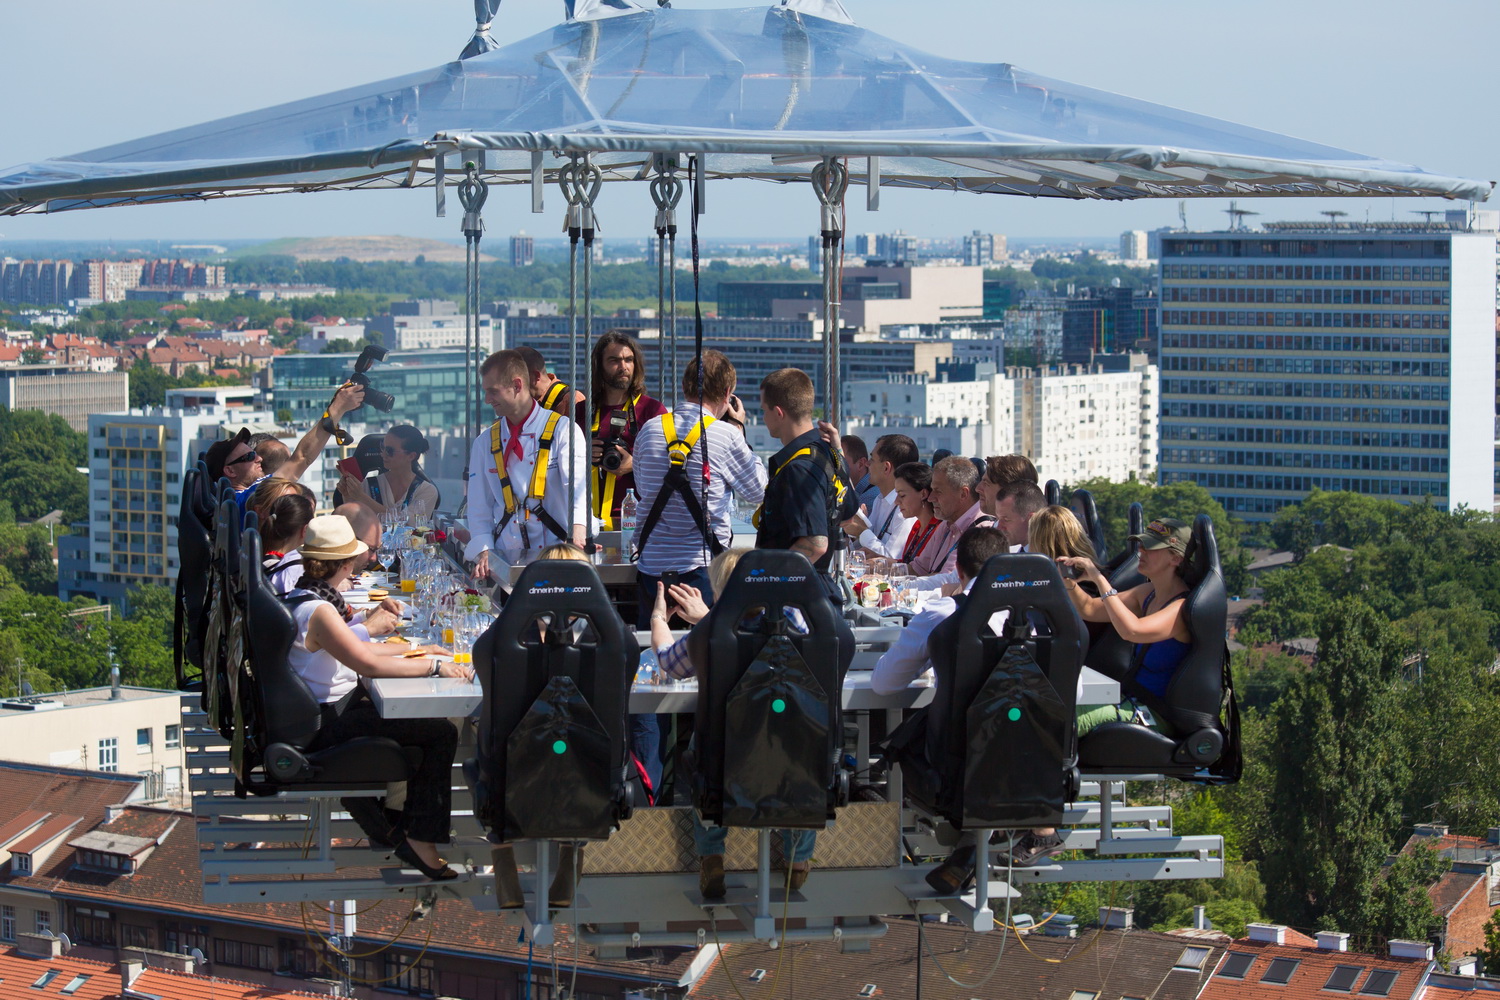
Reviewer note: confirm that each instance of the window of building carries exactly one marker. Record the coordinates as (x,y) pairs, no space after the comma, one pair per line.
(74,985)
(245,955)
(109,754)
(1281,970)
(403,973)
(180,939)
(1236,965)
(45,979)
(7,923)
(1192,959)
(143,740)
(136,936)
(1379,984)
(20,864)
(44,921)
(1343,977)
(173,737)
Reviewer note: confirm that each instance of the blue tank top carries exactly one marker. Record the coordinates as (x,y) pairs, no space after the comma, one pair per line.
(1160,660)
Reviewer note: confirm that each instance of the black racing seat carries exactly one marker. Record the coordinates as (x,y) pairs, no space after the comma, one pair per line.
(1199,715)
(1083,507)
(1123,570)
(1000,738)
(194,553)
(1053,492)
(223,625)
(275,746)
(556,668)
(768,734)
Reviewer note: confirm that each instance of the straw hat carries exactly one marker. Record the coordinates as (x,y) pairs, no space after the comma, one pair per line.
(331,537)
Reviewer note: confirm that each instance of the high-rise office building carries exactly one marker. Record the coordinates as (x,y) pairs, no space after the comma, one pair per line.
(1348,356)
(983,249)
(1134,245)
(1108,321)
(136,462)
(522,250)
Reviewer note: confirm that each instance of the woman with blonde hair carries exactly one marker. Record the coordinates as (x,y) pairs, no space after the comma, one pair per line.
(1055,532)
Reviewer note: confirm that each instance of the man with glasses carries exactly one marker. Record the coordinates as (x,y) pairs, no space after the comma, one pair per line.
(238,462)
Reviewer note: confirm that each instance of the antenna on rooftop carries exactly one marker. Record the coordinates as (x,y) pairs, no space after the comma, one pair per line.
(1427,214)
(1237,217)
(1334,215)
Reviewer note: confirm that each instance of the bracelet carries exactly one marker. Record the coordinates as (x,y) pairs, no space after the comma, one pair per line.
(657,616)
(1109,593)
(437,667)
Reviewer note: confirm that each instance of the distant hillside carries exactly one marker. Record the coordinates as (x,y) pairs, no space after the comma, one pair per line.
(361,248)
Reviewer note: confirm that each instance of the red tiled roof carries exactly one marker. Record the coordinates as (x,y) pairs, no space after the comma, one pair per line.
(61,789)
(20,823)
(1447,892)
(18,972)
(54,827)
(1310,975)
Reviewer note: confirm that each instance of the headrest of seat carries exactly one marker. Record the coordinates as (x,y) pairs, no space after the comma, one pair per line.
(559,587)
(1202,556)
(775,579)
(1135,518)
(250,557)
(1053,493)
(1082,504)
(1022,582)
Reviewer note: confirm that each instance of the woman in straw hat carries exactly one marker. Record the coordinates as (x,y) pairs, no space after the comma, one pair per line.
(332,659)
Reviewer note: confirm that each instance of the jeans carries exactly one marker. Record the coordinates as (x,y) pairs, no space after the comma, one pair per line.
(427,811)
(798,844)
(646,730)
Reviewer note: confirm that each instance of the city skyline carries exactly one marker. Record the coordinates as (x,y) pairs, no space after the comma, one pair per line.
(1331,82)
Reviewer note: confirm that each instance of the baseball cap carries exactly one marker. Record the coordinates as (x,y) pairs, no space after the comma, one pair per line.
(219,451)
(1165,533)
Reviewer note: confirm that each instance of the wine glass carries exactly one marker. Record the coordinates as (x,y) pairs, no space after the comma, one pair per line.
(902,586)
(856,566)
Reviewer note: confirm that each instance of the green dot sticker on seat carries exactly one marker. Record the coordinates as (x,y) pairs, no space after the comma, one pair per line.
(778,706)
(1013,715)
(560,746)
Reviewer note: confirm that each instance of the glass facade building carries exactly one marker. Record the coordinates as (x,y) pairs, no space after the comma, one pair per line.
(1352,357)
(428,386)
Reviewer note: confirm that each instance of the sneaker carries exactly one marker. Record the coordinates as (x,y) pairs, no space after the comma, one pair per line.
(950,877)
(1032,849)
(797,878)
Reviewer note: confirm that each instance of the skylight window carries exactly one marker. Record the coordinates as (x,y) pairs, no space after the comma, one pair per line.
(74,986)
(1236,965)
(1192,959)
(45,979)
(1281,970)
(1343,978)
(1379,984)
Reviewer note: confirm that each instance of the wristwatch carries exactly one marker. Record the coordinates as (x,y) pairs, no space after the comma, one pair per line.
(1110,593)
(437,667)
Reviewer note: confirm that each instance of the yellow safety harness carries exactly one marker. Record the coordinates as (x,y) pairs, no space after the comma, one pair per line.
(538,489)
(676,481)
(558,390)
(604,482)
(821,457)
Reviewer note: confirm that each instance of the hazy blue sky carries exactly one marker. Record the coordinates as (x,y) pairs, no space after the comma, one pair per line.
(1410,82)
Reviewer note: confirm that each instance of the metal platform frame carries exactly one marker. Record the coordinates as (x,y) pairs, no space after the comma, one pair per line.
(315,841)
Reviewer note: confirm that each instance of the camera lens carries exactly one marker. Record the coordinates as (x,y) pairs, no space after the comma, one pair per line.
(612,459)
(382,401)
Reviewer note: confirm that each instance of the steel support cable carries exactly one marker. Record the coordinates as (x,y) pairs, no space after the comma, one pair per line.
(695,169)
(830,181)
(580,181)
(472,193)
(666,192)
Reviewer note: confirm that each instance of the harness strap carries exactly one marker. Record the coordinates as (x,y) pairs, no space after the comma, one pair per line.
(604,482)
(676,482)
(818,455)
(558,390)
(538,490)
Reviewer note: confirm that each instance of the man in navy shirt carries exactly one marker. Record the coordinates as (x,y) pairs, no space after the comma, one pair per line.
(809,495)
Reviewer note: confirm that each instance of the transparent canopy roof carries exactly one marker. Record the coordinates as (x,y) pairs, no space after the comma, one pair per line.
(760,93)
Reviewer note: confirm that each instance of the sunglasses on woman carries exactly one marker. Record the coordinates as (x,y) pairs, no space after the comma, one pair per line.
(389,451)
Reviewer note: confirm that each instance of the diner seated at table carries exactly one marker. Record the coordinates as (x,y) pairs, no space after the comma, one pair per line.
(333,661)
(400,484)
(675,660)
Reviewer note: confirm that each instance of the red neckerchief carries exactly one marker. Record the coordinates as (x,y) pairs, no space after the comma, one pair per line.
(514,444)
(278,555)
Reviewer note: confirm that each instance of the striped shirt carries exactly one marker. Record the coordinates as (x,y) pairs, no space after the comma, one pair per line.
(675,543)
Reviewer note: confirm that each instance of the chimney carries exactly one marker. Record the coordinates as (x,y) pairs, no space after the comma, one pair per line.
(114,683)
(1122,917)
(1411,949)
(130,971)
(1060,925)
(1200,919)
(1333,941)
(1430,830)
(1493,837)
(39,945)
(1267,933)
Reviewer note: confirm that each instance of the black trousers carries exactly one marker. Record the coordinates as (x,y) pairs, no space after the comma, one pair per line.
(429,792)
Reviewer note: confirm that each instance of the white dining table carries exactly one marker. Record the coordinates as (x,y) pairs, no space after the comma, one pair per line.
(453,698)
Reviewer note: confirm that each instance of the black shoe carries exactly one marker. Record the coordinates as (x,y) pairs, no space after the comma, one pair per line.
(375,821)
(953,875)
(1033,849)
(442,873)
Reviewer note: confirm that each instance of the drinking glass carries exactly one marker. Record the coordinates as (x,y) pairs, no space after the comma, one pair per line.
(856,567)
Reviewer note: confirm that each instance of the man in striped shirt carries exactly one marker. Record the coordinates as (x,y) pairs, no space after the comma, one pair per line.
(718,463)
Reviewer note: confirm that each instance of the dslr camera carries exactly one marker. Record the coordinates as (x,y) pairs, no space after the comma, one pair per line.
(612,457)
(368,358)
